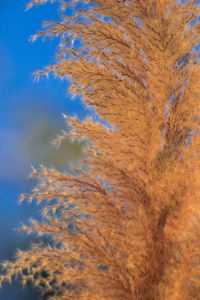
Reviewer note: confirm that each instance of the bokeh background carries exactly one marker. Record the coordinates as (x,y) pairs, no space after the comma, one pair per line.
(30,118)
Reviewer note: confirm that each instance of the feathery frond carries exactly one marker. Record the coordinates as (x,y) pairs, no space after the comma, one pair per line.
(125,225)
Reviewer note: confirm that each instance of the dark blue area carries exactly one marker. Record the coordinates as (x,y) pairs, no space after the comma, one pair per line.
(19,59)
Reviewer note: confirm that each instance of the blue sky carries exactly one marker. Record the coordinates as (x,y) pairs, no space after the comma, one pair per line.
(23,105)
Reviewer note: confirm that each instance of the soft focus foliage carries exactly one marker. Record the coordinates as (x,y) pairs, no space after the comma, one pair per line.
(31,143)
(125,225)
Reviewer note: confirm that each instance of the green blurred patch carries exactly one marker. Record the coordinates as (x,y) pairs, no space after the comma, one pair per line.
(38,127)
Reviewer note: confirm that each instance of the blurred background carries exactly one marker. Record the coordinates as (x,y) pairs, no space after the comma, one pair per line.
(30,118)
